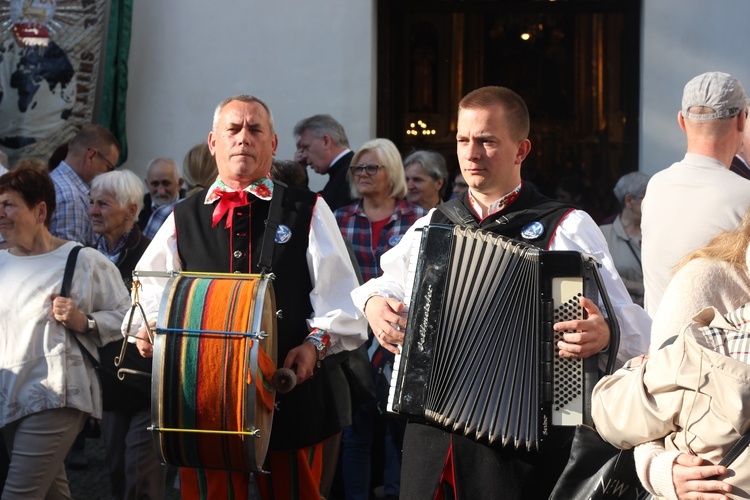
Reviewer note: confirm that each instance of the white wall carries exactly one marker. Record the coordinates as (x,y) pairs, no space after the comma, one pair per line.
(682,39)
(298,56)
(304,57)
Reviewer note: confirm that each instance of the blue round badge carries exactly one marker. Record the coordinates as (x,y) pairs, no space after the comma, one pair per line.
(393,240)
(283,234)
(532,230)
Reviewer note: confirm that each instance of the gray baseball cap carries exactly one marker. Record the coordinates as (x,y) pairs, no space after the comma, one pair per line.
(719,91)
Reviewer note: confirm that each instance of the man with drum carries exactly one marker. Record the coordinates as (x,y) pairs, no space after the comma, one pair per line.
(492,142)
(221,230)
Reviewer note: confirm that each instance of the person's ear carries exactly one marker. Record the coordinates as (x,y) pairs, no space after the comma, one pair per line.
(681,121)
(524,147)
(41,211)
(212,142)
(131,210)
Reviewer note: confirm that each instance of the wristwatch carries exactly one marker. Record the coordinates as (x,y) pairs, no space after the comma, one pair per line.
(90,324)
(319,346)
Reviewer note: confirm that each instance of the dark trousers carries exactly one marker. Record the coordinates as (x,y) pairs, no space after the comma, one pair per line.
(480,471)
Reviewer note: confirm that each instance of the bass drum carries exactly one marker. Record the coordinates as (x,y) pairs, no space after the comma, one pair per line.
(214,356)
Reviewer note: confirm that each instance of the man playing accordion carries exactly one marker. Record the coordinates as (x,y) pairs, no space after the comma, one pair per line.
(492,142)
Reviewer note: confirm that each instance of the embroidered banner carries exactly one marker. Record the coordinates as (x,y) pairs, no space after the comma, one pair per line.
(50,53)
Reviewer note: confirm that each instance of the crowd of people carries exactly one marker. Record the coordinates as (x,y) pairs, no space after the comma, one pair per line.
(340,260)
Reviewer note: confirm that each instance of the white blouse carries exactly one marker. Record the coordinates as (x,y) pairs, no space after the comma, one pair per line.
(41,365)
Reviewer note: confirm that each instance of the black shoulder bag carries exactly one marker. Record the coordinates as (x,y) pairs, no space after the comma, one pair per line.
(130,393)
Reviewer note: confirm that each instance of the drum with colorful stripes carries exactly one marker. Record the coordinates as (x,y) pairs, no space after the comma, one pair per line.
(214,356)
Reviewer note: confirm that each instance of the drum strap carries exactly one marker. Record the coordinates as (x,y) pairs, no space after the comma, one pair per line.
(272,226)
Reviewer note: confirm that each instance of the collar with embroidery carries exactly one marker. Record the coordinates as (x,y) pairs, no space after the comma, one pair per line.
(498,205)
(262,188)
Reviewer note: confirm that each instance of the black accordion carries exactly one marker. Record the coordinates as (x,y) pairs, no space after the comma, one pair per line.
(479,355)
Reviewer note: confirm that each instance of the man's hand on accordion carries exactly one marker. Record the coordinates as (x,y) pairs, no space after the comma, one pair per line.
(386,320)
(584,337)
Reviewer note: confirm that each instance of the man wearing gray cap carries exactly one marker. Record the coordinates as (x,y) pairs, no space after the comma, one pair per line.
(697,197)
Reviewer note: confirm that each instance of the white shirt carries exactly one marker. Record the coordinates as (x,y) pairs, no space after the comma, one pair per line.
(684,207)
(328,261)
(577,231)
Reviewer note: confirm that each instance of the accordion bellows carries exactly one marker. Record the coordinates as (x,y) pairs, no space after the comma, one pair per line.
(479,355)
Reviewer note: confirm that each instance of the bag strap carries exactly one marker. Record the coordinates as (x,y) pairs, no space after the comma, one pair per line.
(272,225)
(70,267)
(736,450)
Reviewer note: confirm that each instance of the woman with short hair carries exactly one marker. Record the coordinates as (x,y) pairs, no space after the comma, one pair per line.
(48,388)
(374,224)
(426,177)
(134,469)
(623,235)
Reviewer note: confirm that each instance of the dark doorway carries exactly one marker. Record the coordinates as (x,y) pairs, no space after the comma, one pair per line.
(576,63)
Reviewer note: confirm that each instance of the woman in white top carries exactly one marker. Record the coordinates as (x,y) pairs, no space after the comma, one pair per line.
(47,387)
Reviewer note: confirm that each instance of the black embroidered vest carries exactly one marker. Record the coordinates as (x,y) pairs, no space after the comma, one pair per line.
(530,206)
(306,415)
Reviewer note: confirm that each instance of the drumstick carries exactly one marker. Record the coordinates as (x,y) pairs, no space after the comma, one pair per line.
(284,380)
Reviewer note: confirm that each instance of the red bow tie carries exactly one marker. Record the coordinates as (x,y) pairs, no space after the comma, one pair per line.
(228,201)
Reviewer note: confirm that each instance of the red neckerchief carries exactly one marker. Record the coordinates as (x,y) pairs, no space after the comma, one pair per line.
(228,200)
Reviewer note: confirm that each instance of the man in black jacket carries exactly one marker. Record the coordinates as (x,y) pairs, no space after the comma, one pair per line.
(322,144)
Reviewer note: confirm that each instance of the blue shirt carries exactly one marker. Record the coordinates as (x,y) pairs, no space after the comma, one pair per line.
(71,220)
(158,216)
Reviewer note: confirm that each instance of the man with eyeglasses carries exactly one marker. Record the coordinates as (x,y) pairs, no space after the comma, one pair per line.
(164,183)
(322,144)
(93,151)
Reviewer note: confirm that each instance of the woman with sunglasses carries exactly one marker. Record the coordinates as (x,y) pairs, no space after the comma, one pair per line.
(373,224)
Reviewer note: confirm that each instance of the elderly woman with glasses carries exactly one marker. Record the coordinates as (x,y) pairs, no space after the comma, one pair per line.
(134,469)
(373,224)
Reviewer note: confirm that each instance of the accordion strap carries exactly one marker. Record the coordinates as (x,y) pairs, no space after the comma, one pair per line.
(457,213)
(614,325)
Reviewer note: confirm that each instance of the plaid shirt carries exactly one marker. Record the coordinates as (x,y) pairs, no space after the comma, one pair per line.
(158,216)
(70,220)
(732,338)
(355,226)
